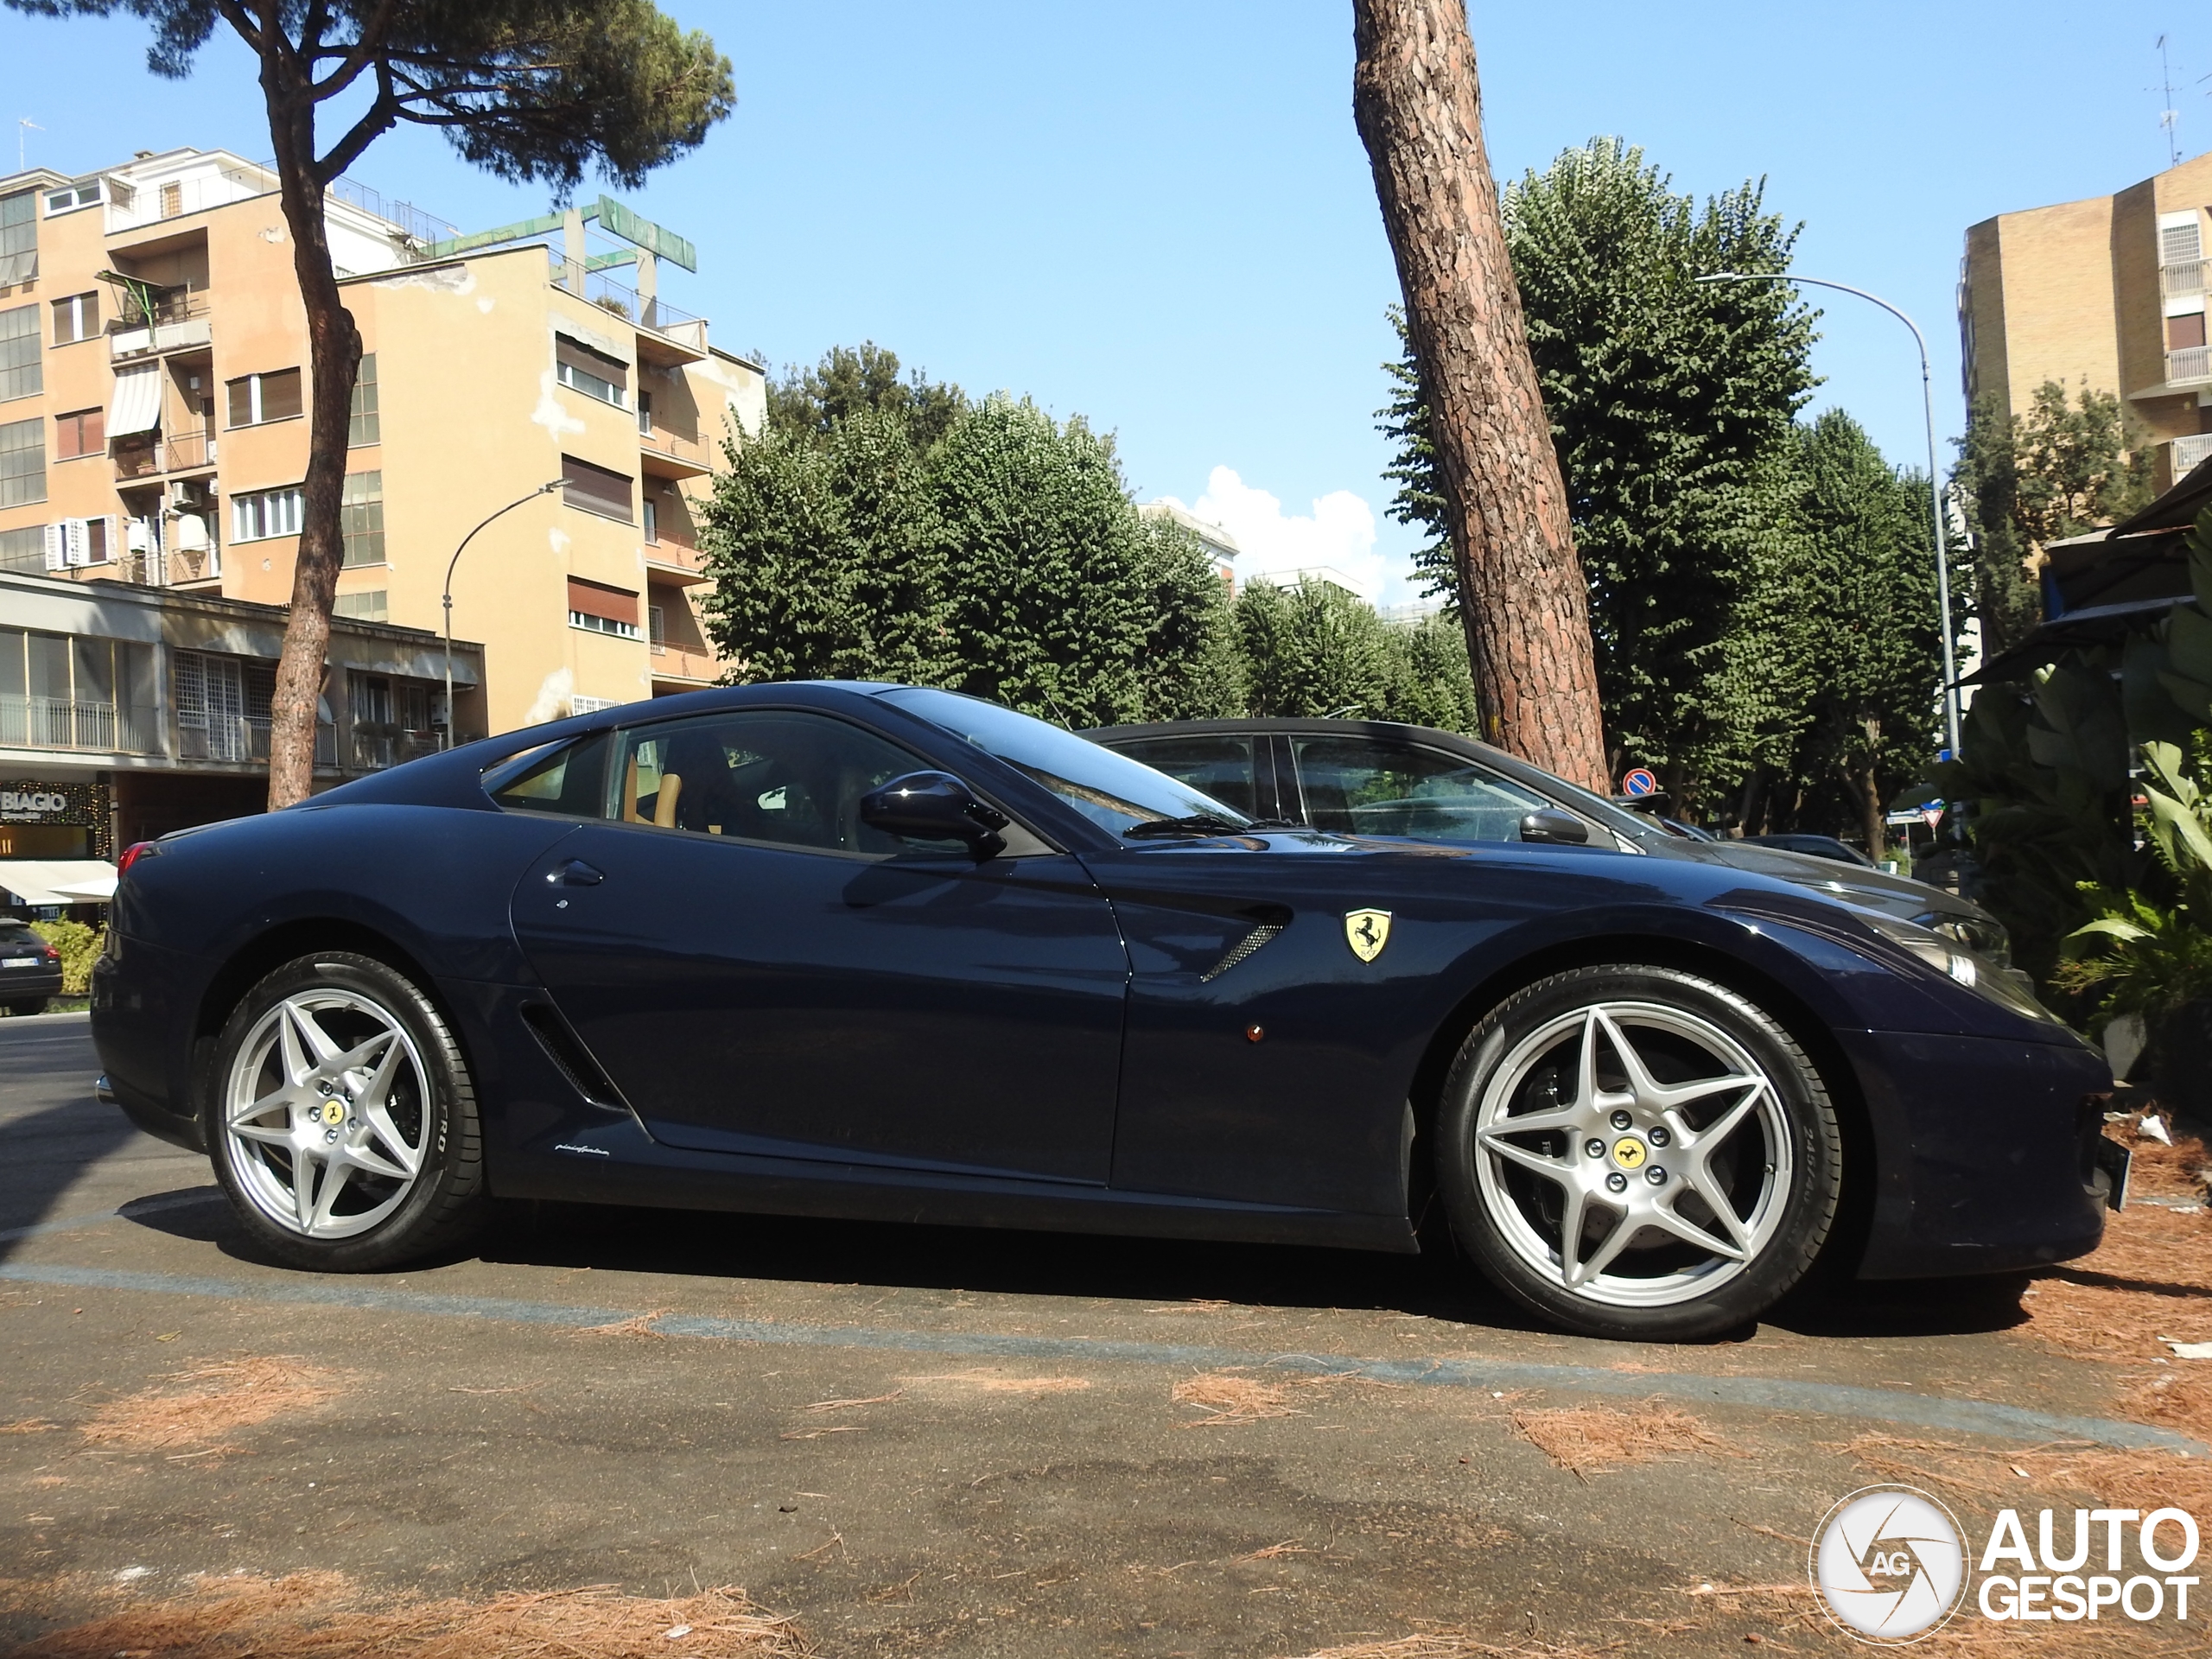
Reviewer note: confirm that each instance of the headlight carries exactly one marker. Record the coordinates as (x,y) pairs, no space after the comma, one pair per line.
(1947,953)
(1985,938)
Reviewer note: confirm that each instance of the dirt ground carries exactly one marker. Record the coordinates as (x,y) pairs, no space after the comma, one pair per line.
(621,1432)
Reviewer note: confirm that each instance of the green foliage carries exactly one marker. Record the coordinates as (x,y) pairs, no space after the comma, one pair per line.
(79,947)
(524,89)
(1001,556)
(2031,479)
(1315,649)
(1418,501)
(817,400)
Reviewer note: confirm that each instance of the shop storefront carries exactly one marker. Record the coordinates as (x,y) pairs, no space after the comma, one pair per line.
(55,836)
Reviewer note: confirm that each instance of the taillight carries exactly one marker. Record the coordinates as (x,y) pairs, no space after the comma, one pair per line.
(132,853)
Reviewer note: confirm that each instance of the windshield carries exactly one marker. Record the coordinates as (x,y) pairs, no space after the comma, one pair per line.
(1111,790)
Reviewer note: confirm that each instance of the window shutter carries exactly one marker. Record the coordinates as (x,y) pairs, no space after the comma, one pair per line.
(191,688)
(597,489)
(597,599)
(100,539)
(57,547)
(280,395)
(73,532)
(576,355)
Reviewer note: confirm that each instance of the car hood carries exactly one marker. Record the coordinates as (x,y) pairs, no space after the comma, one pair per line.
(1893,896)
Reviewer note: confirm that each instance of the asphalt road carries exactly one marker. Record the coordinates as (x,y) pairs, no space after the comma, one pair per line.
(923,1439)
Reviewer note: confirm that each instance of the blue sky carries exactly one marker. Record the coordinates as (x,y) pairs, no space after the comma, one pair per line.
(1158,215)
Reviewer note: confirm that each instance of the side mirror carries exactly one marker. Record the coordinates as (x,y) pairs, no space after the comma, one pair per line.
(1549,823)
(934,806)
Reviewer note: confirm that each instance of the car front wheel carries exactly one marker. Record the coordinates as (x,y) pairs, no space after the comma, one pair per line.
(1636,1152)
(341,1117)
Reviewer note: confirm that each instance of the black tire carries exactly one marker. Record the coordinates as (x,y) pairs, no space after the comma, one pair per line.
(428,1112)
(28,1005)
(1502,1188)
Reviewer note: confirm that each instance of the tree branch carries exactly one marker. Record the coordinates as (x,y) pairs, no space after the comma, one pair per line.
(358,58)
(375,122)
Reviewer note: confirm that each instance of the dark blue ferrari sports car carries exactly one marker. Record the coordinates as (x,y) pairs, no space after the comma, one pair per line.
(872,951)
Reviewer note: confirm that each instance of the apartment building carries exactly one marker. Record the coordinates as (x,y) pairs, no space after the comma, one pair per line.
(2109,291)
(153,385)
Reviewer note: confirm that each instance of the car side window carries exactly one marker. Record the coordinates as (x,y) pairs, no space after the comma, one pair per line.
(570,779)
(786,778)
(1222,766)
(1361,787)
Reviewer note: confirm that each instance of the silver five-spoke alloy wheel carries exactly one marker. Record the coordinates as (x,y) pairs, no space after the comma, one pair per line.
(1632,1154)
(327,1112)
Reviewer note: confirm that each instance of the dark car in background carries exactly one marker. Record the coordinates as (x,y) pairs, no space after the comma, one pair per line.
(1365,777)
(1826,846)
(885,952)
(31,969)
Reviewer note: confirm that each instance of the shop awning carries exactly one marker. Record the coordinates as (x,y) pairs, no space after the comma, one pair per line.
(138,405)
(58,880)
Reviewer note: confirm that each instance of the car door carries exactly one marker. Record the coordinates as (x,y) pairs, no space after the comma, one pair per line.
(759,972)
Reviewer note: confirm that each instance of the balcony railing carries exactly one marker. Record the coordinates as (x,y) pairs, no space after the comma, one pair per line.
(149,204)
(375,747)
(62,723)
(188,452)
(2188,365)
(656,314)
(2191,452)
(177,321)
(2187,277)
(242,739)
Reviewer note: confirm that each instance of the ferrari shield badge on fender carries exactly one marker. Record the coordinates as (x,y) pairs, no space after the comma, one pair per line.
(1367,932)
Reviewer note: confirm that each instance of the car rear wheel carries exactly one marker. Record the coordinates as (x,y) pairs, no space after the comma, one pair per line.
(1635,1151)
(342,1119)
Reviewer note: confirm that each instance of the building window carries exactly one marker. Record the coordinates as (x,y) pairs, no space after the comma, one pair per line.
(657,627)
(24,548)
(83,433)
(360,518)
(258,398)
(361,425)
(75,541)
(580,704)
(18,238)
(22,462)
(371,606)
(595,489)
(2183,332)
(652,519)
(76,318)
(20,373)
(645,413)
(265,513)
(83,193)
(598,608)
(593,373)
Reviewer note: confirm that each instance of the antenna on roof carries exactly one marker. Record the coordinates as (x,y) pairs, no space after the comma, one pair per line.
(2169,118)
(24,124)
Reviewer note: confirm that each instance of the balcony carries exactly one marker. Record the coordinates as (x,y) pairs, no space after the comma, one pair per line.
(677,566)
(60,723)
(670,337)
(188,452)
(674,665)
(242,740)
(377,746)
(2190,366)
(178,321)
(672,455)
(131,209)
(2187,277)
(2191,452)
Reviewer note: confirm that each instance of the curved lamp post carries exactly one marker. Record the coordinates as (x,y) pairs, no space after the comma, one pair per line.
(446,598)
(1934,484)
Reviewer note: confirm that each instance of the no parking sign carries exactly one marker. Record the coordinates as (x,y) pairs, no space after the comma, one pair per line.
(1640,781)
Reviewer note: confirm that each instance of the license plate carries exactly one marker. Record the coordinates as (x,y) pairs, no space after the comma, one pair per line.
(2113,1161)
(20,962)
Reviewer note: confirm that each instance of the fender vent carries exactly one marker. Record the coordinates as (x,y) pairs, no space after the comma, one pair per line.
(1248,946)
(566,1050)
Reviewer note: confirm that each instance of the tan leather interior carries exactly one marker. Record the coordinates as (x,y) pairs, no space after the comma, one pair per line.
(671,791)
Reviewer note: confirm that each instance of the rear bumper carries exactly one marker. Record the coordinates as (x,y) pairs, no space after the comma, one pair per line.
(23,984)
(1984,1153)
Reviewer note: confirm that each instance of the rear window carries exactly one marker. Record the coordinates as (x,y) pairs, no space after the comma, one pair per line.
(570,780)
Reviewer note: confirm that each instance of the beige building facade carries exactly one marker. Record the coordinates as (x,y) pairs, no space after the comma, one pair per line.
(153,389)
(2109,292)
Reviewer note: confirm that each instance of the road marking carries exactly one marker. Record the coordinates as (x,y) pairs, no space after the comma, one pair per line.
(1759,1393)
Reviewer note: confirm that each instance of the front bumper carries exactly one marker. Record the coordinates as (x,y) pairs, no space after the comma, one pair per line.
(1984,1153)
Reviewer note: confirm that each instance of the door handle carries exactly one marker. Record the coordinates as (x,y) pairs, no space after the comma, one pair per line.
(575,873)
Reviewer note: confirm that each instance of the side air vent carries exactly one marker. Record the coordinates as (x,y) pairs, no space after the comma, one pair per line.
(1248,946)
(566,1050)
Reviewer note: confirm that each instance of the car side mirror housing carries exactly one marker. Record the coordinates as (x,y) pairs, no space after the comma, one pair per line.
(1550,824)
(934,806)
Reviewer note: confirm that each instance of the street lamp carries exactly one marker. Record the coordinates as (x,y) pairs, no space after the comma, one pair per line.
(1934,485)
(446,598)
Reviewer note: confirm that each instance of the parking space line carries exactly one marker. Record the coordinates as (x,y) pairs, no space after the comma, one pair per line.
(1758,1393)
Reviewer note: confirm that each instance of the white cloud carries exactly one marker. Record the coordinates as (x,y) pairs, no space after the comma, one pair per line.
(1338,534)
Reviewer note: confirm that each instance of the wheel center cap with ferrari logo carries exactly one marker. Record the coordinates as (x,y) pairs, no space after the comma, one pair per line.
(1628,1153)
(333,1113)
(1367,932)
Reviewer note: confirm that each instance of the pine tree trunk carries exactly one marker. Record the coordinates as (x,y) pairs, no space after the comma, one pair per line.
(333,360)
(1868,788)
(1417,103)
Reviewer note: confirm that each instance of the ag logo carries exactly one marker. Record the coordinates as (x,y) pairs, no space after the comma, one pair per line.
(1888,1564)
(1367,932)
